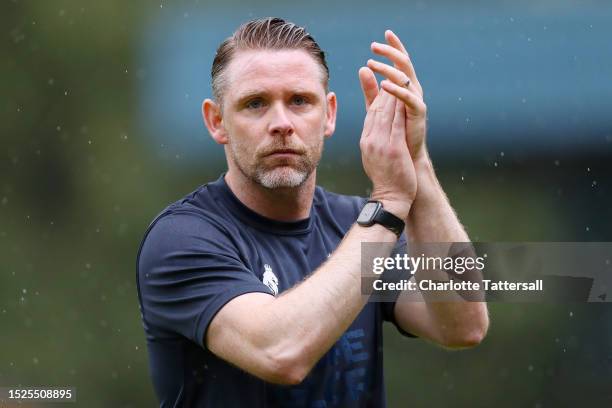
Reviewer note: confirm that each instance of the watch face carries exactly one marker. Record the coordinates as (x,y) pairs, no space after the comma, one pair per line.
(367,213)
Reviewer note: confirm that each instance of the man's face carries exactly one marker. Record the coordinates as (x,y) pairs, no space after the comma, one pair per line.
(276,114)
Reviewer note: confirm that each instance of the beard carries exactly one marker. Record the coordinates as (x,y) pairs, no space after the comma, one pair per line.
(276,172)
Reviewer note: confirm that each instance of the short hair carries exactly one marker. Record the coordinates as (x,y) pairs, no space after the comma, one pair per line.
(269,33)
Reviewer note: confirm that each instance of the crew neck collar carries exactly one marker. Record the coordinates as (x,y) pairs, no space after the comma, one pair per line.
(237,208)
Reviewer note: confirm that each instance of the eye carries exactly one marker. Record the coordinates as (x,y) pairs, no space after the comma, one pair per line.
(299,100)
(255,103)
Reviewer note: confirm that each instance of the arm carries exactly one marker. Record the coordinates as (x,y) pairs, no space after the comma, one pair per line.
(454,324)
(431,219)
(281,339)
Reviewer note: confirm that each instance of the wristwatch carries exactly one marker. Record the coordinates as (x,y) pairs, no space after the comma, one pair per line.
(374,213)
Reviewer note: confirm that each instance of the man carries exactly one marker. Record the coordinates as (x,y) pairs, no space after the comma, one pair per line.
(250,287)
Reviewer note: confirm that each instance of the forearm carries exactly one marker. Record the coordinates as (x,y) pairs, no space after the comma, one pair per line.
(432,220)
(303,323)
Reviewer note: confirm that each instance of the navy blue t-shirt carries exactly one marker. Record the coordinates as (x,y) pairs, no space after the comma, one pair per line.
(208,248)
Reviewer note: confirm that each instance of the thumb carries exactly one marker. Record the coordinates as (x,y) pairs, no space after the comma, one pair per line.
(369,85)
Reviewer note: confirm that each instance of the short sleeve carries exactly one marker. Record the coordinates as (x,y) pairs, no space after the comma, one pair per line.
(188,269)
(388,306)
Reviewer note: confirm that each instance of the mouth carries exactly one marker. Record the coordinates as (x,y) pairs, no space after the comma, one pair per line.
(283,153)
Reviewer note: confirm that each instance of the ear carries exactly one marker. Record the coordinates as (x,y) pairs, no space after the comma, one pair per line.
(332,106)
(211,112)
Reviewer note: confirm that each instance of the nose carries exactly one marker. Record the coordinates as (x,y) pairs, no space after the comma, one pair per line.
(280,123)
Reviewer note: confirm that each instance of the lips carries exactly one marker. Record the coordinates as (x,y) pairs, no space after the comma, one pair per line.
(283,152)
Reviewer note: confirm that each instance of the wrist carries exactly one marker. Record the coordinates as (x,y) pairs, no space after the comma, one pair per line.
(427,181)
(423,162)
(374,212)
(400,209)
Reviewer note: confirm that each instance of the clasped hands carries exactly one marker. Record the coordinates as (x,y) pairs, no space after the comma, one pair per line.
(393,138)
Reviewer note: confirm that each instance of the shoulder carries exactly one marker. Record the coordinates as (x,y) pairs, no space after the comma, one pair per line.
(194,222)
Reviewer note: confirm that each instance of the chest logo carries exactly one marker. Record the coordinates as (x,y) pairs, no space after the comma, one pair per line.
(269,279)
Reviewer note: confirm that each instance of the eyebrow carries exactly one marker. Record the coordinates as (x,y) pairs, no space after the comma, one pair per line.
(253,93)
(249,94)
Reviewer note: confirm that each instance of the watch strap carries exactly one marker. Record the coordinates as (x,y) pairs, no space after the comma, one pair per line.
(390,221)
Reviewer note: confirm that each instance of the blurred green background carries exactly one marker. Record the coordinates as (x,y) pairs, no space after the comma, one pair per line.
(100,130)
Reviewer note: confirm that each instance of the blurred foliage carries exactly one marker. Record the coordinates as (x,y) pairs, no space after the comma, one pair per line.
(79,183)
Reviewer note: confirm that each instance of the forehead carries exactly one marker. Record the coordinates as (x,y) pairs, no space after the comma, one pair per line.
(269,70)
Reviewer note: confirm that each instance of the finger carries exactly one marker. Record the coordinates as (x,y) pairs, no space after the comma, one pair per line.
(398,129)
(391,73)
(413,101)
(369,85)
(400,59)
(384,118)
(371,117)
(395,41)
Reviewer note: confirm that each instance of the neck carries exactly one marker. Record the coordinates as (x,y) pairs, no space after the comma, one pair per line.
(281,204)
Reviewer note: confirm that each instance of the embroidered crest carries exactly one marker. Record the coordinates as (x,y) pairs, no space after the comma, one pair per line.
(269,279)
